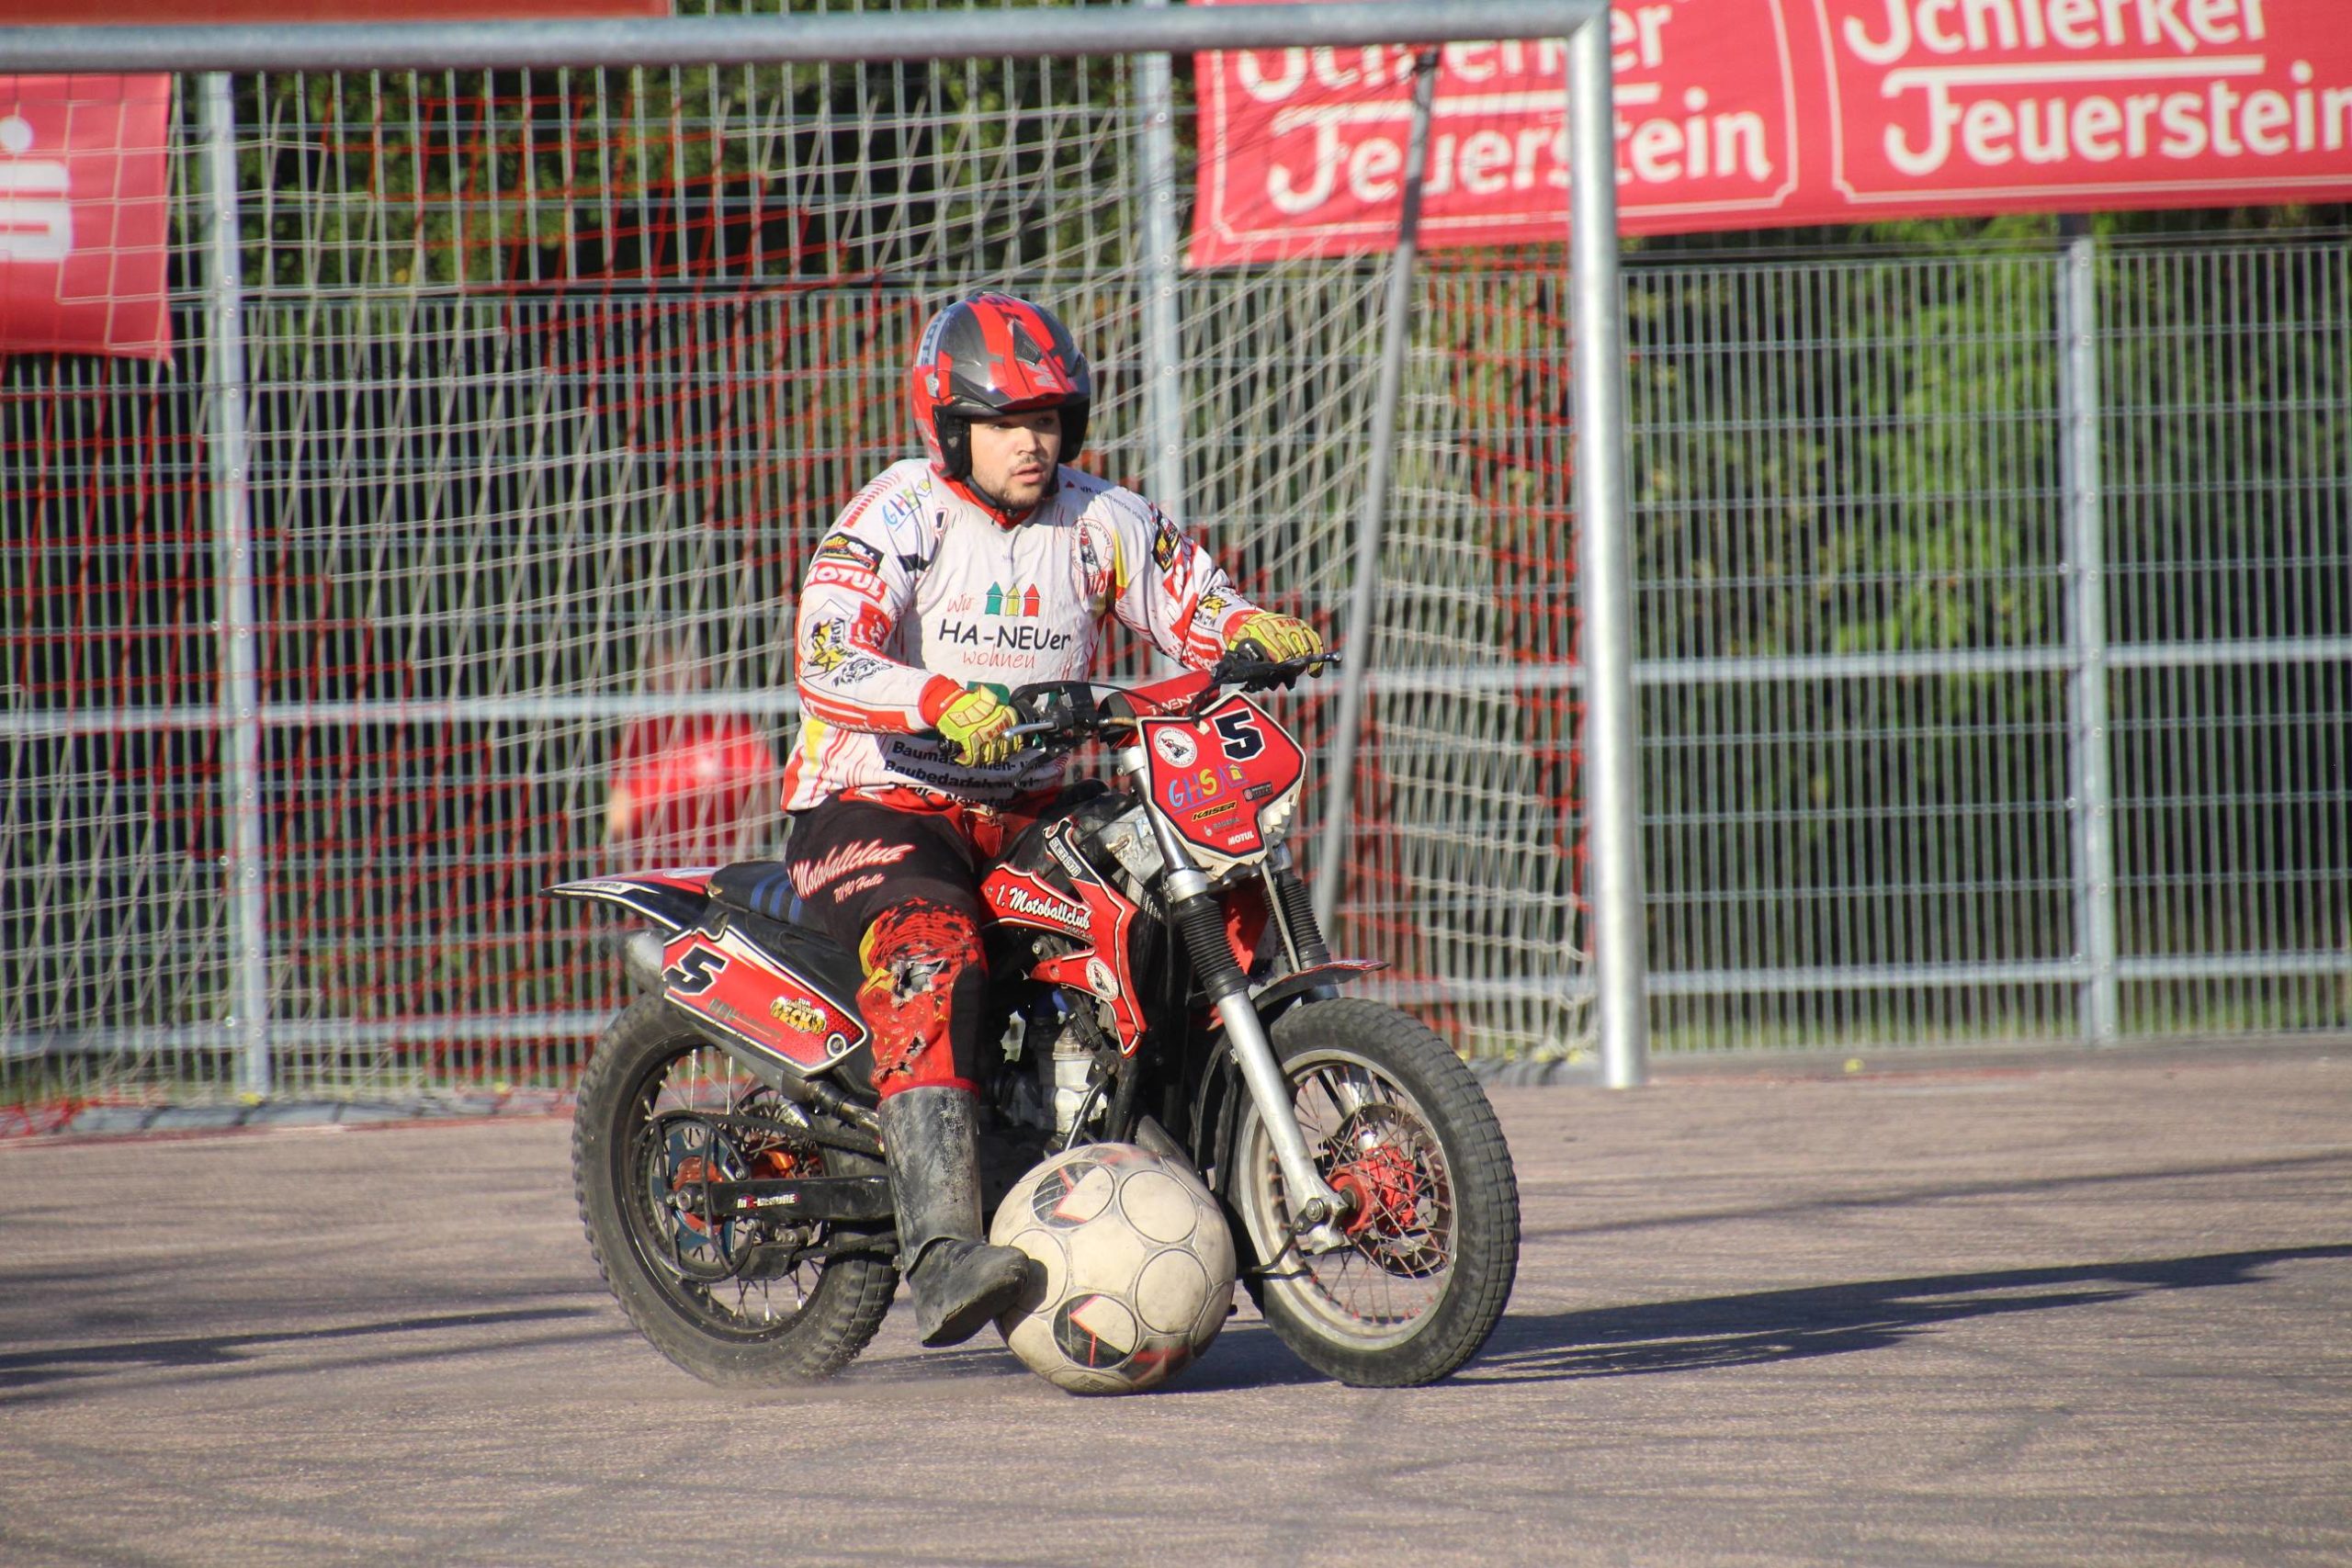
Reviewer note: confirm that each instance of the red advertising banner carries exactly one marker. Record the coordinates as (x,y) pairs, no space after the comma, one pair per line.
(83,215)
(1734,114)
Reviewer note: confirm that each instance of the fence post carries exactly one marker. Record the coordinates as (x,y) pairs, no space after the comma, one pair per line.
(1163,341)
(1356,632)
(2089,779)
(1605,570)
(233,566)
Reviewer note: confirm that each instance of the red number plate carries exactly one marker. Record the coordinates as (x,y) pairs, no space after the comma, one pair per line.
(1211,776)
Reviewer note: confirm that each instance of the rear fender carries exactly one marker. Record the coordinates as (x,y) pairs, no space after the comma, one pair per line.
(777,998)
(674,900)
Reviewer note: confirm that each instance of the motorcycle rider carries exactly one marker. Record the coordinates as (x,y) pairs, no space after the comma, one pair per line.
(948,580)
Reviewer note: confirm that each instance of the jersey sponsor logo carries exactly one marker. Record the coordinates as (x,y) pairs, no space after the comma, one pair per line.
(854,552)
(923,766)
(813,875)
(840,574)
(1021,637)
(1167,544)
(1012,601)
(827,647)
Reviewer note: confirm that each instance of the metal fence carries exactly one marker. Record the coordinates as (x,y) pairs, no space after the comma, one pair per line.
(1994,621)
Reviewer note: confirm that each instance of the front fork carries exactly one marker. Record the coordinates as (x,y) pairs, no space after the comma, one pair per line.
(1316,1209)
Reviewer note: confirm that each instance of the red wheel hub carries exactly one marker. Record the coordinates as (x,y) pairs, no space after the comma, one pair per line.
(1383,1188)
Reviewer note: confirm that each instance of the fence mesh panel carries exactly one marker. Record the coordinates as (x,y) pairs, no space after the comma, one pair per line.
(555,375)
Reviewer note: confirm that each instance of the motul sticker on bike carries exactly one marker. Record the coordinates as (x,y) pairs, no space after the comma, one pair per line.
(749,994)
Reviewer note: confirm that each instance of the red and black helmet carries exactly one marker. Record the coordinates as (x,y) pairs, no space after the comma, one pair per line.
(995,354)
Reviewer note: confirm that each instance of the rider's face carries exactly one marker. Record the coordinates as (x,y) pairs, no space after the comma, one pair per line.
(1014,455)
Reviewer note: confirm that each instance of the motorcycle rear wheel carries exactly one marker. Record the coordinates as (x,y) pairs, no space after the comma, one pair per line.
(1394,1118)
(638,1121)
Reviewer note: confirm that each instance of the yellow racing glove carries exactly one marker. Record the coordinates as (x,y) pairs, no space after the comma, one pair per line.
(1273,638)
(974,725)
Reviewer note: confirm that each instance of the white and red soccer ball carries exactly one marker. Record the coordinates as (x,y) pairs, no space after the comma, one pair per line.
(1139,1268)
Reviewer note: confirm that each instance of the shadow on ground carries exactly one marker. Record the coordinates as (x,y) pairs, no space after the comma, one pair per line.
(1831,1320)
(1711,1332)
(29,1368)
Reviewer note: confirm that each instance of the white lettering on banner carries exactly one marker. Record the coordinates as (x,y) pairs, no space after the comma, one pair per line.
(1927,106)
(2217,119)
(1328,128)
(36,205)
(1955,27)
(2135,94)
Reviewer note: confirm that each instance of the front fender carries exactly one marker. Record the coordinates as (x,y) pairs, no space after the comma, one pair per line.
(1273,1000)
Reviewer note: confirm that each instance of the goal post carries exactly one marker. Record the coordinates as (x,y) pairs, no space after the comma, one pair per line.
(511,415)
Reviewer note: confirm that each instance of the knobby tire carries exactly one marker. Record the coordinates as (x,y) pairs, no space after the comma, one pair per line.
(835,1322)
(1341,1038)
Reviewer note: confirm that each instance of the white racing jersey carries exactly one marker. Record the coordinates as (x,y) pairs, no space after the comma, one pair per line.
(916,593)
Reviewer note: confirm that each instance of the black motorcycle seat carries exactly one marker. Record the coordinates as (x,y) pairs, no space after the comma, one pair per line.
(755,886)
(757,894)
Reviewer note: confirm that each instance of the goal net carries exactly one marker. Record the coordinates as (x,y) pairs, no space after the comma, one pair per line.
(555,376)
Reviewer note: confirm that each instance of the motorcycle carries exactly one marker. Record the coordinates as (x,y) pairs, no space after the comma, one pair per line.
(1157,968)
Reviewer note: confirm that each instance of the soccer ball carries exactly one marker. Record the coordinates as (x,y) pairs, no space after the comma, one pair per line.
(1137,1263)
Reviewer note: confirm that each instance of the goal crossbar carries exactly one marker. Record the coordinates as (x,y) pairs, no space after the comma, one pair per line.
(743,41)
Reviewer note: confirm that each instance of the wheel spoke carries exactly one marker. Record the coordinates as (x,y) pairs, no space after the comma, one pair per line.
(692,1253)
(1370,1137)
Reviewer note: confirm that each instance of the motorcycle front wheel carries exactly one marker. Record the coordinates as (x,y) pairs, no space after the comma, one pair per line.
(740,1303)
(1396,1122)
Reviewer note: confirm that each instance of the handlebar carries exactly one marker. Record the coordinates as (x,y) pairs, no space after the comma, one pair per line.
(1061,714)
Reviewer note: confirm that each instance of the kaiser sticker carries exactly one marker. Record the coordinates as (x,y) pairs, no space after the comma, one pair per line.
(798,1015)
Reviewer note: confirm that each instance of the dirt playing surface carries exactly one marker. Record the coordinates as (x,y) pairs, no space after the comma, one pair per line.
(2094,1310)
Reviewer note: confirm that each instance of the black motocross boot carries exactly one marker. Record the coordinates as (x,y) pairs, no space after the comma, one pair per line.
(932,1139)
